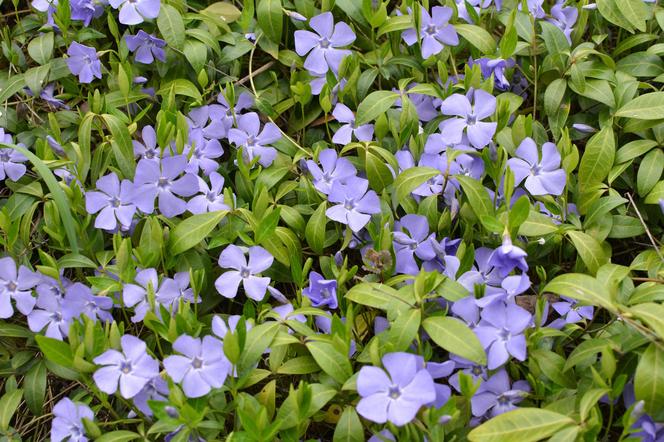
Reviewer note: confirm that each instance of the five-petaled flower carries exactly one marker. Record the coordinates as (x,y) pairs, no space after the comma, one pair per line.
(68,421)
(354,204)
(468,118)
(435,32)
(147,47)
(83,61)
(323,45)
(112,201)
(543,175)
(242,272)
(133,12)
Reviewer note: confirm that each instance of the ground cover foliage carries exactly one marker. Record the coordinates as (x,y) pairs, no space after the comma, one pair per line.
(331,220)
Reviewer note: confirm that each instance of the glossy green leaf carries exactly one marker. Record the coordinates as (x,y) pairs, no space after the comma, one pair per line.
(455,337)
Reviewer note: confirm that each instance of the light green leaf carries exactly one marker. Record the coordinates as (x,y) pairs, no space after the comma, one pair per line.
(55,351)
(378,173)
(270,18)
(34,385)
(649,381)
(589,249)
(193,230)
(478,197)
(644,107)
(118,436)
(122,145)
(314,232)
(258,339)
(171,26)
(40,48)
(478,37)
(379,296)
(224,10)
(331,360)
(410,179)
(581,287)
(181,86)
(650,171)
(652,315)
(598,158)
(455,337)
(9,402)
(375,104)
(523,425)
(349,428)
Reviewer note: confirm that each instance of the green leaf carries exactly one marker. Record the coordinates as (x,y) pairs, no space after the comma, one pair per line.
(11,86)
(649,381)
(611,12)
(9,402)
(523,425)
(315,230)
(378,173)
(374,105)
(193,230)
(409,179)
(349,428)
(258,339)
(652,315)
(299,365)
(554,39)
(650,171)
(644,107)
(581,287)
(267,226)
(224,10)
(118,436)
(34,385)
(72,260)
(598,158)
(171,26)
(404,328)
(455,337)
(590,250)
(635,12)
(379,296)
(122,145)
(181,86)
(553,95)
(55,351)
(598,90)
(270,18)
(40,48)
(57,193)
(478,37)
(586,350)
(537,224)
(478,197)
(395,24)
(331,360)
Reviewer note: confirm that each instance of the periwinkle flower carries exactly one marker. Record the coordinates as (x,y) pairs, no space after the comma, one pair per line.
(136,295)
(67,422)
(469,368)
(564,17)
(201,367)
(535,7)
(163,180)
(147,47)
(507,257)
(495,67)
(172,290)
(571,312)
(510,287)
(44,5)
(334,169)
(435,32)
(16,283)
(221,327)
(208,121)
(86,10)
(156,389)
(323,45)
(131,369)
(496,396)
(345,133)
(355,204)
(79,300)
(416,242)
(501,332)
(284,313)
(254,141)
(46,94)
(468,118)
(468,310)
(83,62)
(202,154)
(234,258)
(11,159)
(321,292)
(223,115)
(483,272)
(112,201)
(543,176)
(48,314)
(211,198)
(133,12)
(395,396)
(147,149)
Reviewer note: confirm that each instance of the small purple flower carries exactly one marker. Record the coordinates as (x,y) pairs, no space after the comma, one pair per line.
(221,328)
(543,176)
(510,287)
(535,7)
(132,368)
(203,366)
(204,154)
(86,10)
(147,47)
(133,12)
(47,95)
(507,257)
(322,46)
(495,67)
(147,149)
(211,198)
(208,121)
(156,389)
(68,421)
(83,61)
(333,169)
(345,133)
(234,258)
(79,300)
(16,284)
(10,159)
(475,371)
(483,273)
(355,205)
(501,332)
(253,141)
(564,17)
(112,201)
(469,116)
(284,312)
(468,310)
(48,314)
(398,395)
(322,292)
(136,296)
(163,180)
(571,312)
(495,396)
(417,242)
(172,290)
(435,31)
